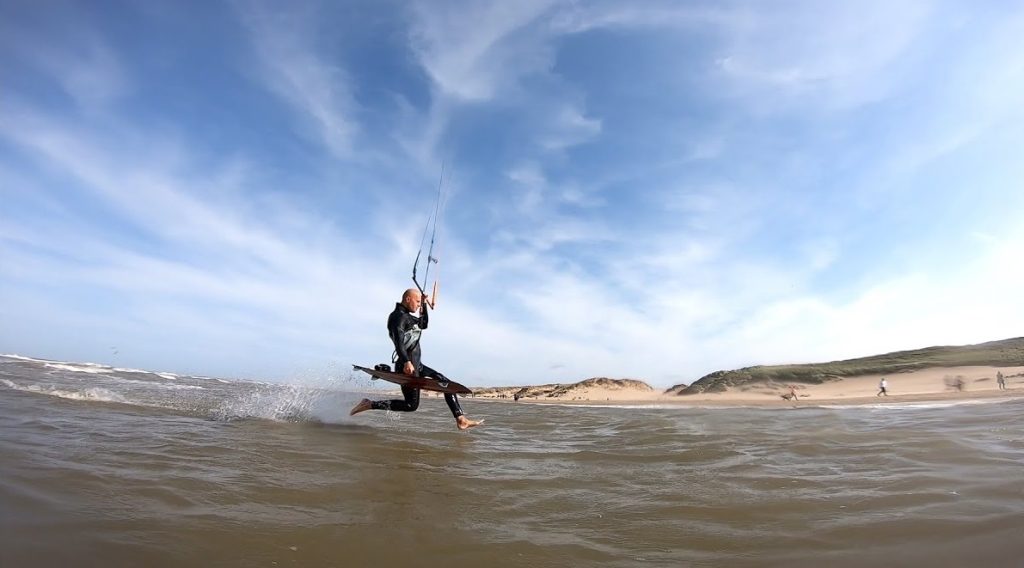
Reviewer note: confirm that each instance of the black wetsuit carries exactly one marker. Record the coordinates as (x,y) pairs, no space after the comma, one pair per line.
(404,329)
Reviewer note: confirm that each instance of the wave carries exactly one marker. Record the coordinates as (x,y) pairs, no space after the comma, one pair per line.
(917,405)
(158,384)
(161,374)
(97,394)
(90,368)
(641,406)
(239,401)
(193,395)
(98,368)
(24,358)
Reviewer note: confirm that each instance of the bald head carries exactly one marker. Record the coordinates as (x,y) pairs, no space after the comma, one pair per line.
(411,299)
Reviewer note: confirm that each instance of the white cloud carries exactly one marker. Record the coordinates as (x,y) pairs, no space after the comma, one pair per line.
(80,61)
(979,91)
(570,128)
(473,50)
(820,254)
(216,256)
(480,54)
(530,177)
(421,136)
(971,303)
(836,55)
(576,18)
(316,89)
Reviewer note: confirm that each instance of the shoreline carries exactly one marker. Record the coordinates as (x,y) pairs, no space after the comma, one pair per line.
(934,385)
(708,401)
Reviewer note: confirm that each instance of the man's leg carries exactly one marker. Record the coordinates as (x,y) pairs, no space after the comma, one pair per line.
(451,399)
(410,403)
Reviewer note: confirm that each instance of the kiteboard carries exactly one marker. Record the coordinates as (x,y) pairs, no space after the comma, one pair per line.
(448,387)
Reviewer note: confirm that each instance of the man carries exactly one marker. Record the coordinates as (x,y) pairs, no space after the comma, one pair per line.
(882,386)
(405,324)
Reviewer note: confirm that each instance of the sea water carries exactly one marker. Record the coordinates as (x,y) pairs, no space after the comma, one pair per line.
(101,466)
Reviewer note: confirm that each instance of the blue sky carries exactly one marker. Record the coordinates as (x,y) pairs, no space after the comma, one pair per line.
(654,190)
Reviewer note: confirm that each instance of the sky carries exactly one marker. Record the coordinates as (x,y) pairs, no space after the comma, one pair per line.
(651,190)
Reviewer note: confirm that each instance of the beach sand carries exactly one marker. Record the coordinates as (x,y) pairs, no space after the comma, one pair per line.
(934,384)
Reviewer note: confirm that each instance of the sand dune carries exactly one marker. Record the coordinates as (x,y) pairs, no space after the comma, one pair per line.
(583,390)
(939,383)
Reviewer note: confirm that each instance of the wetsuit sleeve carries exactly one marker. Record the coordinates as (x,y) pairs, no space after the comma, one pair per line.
(395,331)
(424,318)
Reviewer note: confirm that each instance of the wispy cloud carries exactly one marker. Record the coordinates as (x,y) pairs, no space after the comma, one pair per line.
(838,56)
(82,63)
(570,128)
(482,53)
(317,90)
(205,256)
(472,51)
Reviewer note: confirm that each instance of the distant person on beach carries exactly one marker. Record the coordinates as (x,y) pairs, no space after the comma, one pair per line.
(1000,380)
(792,394)
(405,324)
(882,386)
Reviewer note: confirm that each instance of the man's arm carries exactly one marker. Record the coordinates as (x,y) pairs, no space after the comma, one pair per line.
(424,319)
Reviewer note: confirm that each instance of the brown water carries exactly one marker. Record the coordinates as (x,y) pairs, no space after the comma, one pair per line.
(105,467)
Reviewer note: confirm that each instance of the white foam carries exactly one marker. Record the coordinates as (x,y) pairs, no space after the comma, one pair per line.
(96,368)
(917,405)
(90,368)
(96,394)
(655,406)
(622,406)
(127,370)
(93,394)
(285,403)
(163,375)
(159,385)
(23,358)
(201,377)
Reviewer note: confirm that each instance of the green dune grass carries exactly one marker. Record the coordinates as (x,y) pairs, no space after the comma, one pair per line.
(1004,353)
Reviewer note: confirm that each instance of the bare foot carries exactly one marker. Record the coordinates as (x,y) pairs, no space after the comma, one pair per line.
(465,423)
(362,406)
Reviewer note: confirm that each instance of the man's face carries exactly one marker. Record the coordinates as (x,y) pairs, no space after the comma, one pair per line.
(412,301)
